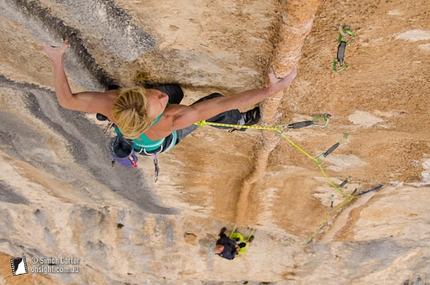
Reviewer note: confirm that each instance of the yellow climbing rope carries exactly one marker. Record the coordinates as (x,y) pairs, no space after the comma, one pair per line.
(282,134)
(276,129)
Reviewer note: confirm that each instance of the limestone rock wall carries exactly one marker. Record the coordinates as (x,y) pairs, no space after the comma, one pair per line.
(61,198)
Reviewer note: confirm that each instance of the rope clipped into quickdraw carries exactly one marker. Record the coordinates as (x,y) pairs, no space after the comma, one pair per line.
(318,163)
(333,209)
(325,117)
(311,122)
(327,217)
(277,130)
(344,31)
(341,141)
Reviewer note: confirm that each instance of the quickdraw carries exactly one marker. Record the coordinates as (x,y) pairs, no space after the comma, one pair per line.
(340,59)
(370,190)
(338,188)
(346,181)
(311,122)
(276,128)
(341,141)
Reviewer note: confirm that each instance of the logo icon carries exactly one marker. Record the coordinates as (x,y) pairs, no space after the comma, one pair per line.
(19,265)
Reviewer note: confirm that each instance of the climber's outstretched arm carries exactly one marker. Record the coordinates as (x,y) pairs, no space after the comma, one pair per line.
(187,115)
(89,102)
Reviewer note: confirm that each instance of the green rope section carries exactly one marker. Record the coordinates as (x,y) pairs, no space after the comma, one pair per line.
(276,129)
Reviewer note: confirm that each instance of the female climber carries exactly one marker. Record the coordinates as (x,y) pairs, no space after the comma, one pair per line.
(153,118)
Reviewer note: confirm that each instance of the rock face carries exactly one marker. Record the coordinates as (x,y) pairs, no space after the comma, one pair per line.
(64,207)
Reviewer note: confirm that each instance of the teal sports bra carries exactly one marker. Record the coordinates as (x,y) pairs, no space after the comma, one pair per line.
(144,144)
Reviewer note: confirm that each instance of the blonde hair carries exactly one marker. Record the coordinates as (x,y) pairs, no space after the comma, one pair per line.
(130,111)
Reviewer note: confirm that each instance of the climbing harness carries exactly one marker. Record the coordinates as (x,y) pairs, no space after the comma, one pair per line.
(121,149)
(344,31)
(123,152)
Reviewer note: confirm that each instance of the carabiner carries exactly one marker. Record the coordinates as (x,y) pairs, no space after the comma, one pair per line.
(326,117)
(311,122)
(345,31)
(340,59)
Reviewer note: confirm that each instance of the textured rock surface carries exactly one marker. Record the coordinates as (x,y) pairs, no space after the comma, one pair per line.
(60,197)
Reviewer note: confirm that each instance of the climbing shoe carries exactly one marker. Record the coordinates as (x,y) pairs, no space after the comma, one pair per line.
(249,118)
(252,116)
(222,231)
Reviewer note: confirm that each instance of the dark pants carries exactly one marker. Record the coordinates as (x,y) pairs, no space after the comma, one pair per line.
(227,117)
(176,95)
